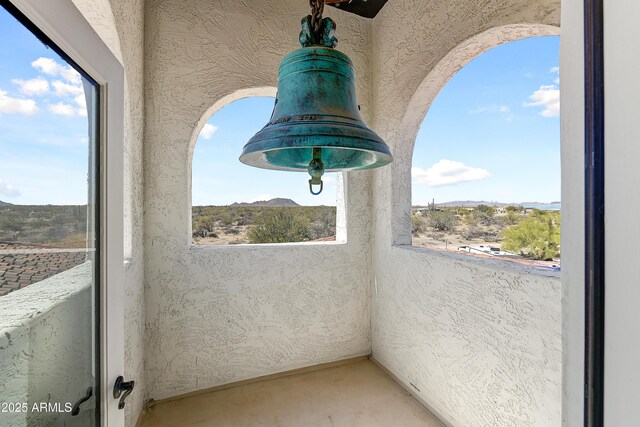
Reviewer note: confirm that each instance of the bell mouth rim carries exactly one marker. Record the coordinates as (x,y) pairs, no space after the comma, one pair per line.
(382,158)
(348,135)
(303,139)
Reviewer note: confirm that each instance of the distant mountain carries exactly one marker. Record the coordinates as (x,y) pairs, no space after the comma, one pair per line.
(272,203)
(471,203)
(474,203)
(5,203)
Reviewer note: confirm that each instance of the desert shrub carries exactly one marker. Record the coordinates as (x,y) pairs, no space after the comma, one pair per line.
(471,220)
(536,237)
(244,220)
(417,225)
(472,232)
(488,210)
(55,233)
(280,226)
(320,229)
(231,230)
(512,217)
(444,220)
(483,217)
(513,208)
(438,236)
(492,235)
(461,211)
(323,223)
(206,223)
(12,225)
(225,217)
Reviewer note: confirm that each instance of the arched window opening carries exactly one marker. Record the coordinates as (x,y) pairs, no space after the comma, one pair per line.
(233,203)
(486,164)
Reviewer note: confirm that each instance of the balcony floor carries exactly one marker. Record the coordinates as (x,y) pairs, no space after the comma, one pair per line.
(354,394)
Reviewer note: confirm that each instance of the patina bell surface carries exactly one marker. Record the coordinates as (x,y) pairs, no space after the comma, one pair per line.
(316,108)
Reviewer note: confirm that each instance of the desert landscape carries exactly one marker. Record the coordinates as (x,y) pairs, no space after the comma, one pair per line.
(269,221)
(526,230)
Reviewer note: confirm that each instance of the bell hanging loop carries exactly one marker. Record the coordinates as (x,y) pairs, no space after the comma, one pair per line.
(311,184)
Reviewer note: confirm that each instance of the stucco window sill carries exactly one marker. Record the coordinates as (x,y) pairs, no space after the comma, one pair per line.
(267,246)
(494,264)
(22,307)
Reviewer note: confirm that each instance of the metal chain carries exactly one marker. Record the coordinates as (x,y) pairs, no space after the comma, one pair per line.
(317,7)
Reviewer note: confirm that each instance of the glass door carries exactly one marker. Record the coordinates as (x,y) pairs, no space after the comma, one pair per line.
(49,239)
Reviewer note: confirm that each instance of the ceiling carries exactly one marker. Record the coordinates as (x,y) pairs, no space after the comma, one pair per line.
(365,8)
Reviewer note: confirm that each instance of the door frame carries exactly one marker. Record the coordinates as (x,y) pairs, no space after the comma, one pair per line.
(62,23)
(594,274)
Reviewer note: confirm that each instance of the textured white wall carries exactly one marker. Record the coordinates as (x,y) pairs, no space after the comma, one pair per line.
(222,314)
(481,343)
(45,347)
(120,24)
(480,340)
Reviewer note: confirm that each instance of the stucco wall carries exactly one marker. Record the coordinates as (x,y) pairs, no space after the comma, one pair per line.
(222,314)
(480,340)
(120,24)
(480,343)
(46,346)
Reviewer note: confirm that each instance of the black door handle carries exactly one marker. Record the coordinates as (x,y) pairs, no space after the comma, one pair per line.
(122,389)
(76,408)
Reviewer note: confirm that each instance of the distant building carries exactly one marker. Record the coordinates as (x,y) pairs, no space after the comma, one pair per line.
(487,250)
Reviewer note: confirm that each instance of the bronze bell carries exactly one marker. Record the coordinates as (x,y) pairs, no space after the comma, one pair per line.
(316,125)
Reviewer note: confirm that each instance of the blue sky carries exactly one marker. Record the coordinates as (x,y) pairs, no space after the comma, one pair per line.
(43,122)
(218,176)
(491,134)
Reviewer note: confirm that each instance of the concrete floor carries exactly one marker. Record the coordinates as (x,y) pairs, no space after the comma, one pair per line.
(357,394)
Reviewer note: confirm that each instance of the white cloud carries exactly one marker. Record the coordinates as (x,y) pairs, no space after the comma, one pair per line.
(556,71)
(62,109)
(82,105)
(447,172)
(63,89)
(494,108)
(11,105)
(8,190)
(208,130)
(46,65)
(548,97)
(65,109)
(328,180)
(51,67)
(70,88)
(37,86)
